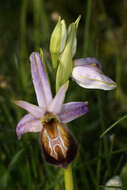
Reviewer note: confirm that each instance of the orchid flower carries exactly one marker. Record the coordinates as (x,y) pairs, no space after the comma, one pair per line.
(88,74)
(49,117)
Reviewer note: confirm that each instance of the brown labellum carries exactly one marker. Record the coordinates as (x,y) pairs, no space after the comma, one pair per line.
(58,145)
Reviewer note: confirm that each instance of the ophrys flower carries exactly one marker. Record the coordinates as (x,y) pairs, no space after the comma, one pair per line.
(88,74)
(49,117)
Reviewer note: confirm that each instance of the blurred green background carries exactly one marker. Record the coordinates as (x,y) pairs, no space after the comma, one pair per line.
(26,26)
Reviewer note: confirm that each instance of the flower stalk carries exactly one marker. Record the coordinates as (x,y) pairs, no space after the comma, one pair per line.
(68,178)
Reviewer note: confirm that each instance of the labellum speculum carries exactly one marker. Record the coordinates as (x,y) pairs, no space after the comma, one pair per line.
(58,145)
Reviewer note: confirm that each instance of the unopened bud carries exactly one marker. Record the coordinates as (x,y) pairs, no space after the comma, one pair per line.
(58,40)
(65,61)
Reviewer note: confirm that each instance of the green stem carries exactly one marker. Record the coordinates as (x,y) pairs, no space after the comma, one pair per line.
(23,45)
(118,75)
(68,178)
(23,25)
(36,17)
(40,23)
(87,29)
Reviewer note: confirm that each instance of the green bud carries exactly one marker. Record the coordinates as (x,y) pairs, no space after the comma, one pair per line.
(65,61)
(57,41)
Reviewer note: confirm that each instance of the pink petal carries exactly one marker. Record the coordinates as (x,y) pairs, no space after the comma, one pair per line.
(89,76)
(28,124)
(36,111)
(56,104)
(40,80)
(88,61)
(73,110)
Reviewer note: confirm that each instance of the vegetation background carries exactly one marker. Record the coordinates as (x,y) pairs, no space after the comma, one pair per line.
(26,26)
